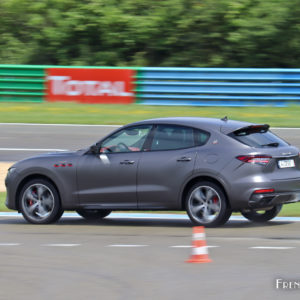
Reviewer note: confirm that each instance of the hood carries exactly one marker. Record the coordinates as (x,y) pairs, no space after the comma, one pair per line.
(62,155)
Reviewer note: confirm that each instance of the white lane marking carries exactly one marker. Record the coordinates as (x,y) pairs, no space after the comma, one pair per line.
(185,246)
(33,149)
(286,128)
(65,125)
(105,125)
(127,245)
(271,248)
(136,246)
(60,245)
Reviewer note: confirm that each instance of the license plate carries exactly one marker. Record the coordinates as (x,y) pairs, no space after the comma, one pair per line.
(287,163)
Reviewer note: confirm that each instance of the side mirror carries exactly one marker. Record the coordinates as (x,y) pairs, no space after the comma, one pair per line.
(95,149)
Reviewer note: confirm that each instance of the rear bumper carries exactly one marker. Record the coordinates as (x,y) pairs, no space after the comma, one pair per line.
(272,199)
(242,193)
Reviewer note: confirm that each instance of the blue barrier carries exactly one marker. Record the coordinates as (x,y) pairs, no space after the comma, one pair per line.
(218,86)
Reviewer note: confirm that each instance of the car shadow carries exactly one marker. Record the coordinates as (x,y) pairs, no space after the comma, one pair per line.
(248,224)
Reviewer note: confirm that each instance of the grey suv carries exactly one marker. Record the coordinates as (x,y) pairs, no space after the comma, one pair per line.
(208,167)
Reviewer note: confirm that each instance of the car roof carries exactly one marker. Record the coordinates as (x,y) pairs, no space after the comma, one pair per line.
(210,124)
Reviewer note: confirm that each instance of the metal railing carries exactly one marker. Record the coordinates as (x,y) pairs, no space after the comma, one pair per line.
(174,86)
(218,86)
(22,83)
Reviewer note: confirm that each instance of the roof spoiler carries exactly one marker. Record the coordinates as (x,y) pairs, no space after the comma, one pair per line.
(259,128)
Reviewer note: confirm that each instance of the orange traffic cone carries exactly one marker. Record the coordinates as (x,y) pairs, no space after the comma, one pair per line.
(199,250)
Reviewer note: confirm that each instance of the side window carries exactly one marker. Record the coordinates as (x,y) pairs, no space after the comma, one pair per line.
(201,137)
(171,137)
(129,139)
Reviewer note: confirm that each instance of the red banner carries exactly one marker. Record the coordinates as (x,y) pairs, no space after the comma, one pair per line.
(90,85)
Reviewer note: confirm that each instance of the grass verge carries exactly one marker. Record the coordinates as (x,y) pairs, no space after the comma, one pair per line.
(76,113)
(2,202)
(290,210)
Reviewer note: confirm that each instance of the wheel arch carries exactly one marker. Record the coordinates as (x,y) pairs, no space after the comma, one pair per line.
(27,179)
(197,179)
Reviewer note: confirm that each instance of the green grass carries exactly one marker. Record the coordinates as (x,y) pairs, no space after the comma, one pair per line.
(2,202)
(289,210)
(75,113)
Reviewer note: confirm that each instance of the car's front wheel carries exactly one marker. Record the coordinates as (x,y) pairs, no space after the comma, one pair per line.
(39,202)
(262,216)
(93,214)
(206,205)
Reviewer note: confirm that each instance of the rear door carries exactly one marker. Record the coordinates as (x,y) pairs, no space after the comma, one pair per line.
(167,162)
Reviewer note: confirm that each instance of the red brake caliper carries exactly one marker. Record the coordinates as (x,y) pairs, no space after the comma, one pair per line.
(30,202)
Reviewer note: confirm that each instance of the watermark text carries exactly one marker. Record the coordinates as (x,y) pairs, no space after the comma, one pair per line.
(287,284)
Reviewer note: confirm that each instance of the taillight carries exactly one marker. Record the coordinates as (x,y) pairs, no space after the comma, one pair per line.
(264,191)
(255,159)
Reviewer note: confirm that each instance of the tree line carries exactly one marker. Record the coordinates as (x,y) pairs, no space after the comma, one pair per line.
(182,33)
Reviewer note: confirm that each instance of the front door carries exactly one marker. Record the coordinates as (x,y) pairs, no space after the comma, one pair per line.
(108,179)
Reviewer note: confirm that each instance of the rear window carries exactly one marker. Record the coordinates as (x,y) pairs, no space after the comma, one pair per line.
(258,136)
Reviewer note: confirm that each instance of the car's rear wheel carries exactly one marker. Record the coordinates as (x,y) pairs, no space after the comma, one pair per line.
(39,202)
(206,205)
(262,216)
(93,214)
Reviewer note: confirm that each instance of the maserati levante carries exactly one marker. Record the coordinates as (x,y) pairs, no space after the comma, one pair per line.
(207,167)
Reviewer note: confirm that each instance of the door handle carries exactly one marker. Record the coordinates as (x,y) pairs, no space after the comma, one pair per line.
(184,159)
(127,162)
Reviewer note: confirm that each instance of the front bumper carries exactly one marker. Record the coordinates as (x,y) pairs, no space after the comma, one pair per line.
(11,183)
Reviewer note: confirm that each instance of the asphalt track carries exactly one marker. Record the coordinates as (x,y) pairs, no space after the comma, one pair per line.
(144,258)
(127,257)
(18,141)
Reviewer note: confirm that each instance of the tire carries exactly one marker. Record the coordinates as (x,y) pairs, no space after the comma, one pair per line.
(266,216)
(206,205)
(93,214)
(39,202)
